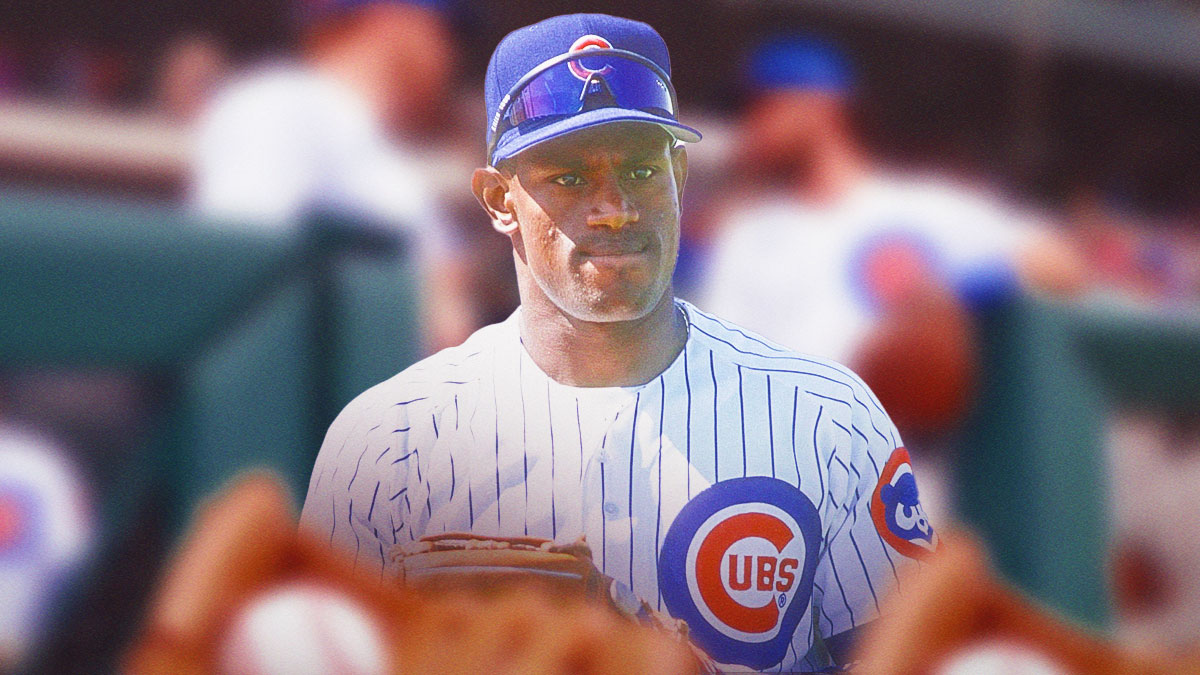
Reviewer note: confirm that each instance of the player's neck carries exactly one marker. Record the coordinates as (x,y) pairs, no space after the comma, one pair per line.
(609,354)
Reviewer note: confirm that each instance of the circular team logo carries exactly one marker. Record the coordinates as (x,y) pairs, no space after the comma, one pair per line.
(19,523)
(886,266)
(896,509)
(584,43)
(737,564)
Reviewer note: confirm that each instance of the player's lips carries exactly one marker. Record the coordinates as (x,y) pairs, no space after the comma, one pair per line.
(614,250)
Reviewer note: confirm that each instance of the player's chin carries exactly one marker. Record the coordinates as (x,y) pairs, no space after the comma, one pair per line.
(624,303)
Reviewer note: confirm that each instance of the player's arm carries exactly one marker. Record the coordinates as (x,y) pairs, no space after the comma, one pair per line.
(881,530)
(357,494)
(1013,251)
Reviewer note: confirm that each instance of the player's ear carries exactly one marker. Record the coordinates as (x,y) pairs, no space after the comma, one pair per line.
(491,188)
(679,165)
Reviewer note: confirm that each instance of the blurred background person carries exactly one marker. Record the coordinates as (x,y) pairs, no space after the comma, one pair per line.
(46,523)
(826,251)
(836,239)
(325,132)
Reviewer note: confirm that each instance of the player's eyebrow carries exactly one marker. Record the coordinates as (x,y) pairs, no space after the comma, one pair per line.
(646,155)
(581,162)
(578,158)
(542,160)
(570,162)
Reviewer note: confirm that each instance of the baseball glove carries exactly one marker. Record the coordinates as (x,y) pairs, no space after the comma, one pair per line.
(456,560)
(249,593)
(971,621)
(462,561)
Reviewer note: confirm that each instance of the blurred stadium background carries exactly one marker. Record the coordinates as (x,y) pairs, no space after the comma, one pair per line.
(148,354)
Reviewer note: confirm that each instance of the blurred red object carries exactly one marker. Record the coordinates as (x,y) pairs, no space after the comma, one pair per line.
(1139,578)
(957,614)
(921,360)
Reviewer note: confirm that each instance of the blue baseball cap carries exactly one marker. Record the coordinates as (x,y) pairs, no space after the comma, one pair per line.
(577,71)
(797,61)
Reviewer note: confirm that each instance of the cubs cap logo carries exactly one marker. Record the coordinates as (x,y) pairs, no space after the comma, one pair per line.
(737,564)
(584,43)
(896,509)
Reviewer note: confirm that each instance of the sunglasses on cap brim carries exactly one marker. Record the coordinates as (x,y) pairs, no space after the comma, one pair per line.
(580,81)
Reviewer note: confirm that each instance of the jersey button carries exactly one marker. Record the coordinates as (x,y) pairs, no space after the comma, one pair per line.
(611,508)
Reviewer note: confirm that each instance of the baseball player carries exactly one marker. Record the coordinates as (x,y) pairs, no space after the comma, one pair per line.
(762,496)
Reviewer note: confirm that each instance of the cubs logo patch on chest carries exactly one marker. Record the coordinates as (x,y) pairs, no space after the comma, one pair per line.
(738,563)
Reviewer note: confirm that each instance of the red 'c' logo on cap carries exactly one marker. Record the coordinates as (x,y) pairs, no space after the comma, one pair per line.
(585,43)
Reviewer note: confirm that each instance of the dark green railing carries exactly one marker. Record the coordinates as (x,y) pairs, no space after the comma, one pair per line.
(1031,472)
(260,338)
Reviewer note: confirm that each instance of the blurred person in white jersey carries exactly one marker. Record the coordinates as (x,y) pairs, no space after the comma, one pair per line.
(832,242)
(330,130)
(834,255)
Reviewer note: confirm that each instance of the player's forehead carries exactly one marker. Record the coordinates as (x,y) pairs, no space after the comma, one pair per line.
(614,143)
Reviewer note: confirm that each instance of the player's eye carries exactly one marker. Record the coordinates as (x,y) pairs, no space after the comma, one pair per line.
(568,180)
(641,173)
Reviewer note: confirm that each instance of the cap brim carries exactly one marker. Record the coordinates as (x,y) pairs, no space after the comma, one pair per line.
(514,140)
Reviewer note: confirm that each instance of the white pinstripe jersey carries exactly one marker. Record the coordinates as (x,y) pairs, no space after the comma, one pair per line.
(734,490)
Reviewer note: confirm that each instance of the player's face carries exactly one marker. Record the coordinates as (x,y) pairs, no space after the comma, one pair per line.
(597,220)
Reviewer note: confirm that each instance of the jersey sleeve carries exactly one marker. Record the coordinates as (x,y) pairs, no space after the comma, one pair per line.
(359,495)
(880,529)
(983,242)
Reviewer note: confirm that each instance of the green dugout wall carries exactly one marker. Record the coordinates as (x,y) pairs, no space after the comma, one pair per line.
(257,339)
(1031,470)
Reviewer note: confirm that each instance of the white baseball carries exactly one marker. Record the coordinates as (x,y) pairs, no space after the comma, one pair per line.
(999,658)
(302,629)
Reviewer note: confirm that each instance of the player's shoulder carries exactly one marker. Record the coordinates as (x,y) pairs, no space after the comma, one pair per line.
(736,346)
(270,92)
(259,84)
(937,193)
(762,220)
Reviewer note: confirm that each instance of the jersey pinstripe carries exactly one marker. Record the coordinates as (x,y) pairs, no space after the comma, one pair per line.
(478,438)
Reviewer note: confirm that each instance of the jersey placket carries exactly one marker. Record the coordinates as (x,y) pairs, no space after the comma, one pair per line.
(598,505)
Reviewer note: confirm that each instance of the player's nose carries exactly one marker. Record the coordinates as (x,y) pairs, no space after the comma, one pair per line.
(611,206)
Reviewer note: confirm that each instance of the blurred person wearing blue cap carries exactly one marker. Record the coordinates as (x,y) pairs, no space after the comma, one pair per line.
(760,496)
(331,130)
(838,256)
